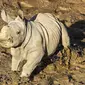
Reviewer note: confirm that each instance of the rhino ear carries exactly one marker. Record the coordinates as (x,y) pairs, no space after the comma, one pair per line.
(20,16)
(20,13)
(5,17)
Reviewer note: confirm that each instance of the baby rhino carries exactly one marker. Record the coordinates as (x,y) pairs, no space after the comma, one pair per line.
(31,39)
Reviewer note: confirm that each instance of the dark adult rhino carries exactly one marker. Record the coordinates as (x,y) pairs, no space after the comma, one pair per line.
(31,40)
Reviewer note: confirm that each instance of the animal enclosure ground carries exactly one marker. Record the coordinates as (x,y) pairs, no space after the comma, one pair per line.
(72,14)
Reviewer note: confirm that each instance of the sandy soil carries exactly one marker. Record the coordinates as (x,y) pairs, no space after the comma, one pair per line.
(50,71)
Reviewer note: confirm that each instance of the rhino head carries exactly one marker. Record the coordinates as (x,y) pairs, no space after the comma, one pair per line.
(14,33)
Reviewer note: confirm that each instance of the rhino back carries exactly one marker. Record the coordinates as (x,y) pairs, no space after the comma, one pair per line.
(51,29)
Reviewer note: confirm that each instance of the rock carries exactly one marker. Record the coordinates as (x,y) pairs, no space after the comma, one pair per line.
(55,82)
(64,81)
(83,0)
(81,9)
(43,3)
(44,82)
(64,8)
(78,76)
(25,5)
(49,69)
(73,1)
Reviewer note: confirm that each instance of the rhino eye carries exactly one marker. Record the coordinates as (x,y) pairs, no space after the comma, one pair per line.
(18,32)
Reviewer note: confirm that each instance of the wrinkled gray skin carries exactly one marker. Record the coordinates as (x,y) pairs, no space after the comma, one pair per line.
(32,41)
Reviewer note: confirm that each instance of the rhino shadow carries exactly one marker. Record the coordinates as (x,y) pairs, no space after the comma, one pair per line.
(77,33)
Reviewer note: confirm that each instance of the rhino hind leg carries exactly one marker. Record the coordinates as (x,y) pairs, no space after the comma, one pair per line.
(66,57)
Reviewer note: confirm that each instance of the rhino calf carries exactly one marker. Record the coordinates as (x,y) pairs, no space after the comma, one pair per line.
(31,40)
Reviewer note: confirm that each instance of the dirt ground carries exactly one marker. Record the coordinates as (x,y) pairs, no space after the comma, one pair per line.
(50,71)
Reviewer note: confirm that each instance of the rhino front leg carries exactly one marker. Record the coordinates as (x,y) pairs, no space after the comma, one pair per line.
(32,61)
(15,64)
(16,58)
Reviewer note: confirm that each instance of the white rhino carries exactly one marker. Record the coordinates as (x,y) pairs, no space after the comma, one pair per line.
(31,40)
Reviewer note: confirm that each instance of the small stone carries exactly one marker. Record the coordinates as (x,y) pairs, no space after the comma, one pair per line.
(83,40)
(68,21)
(68,24)
(55,82)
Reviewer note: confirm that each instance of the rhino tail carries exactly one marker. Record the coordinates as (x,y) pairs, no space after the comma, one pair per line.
(65,36)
